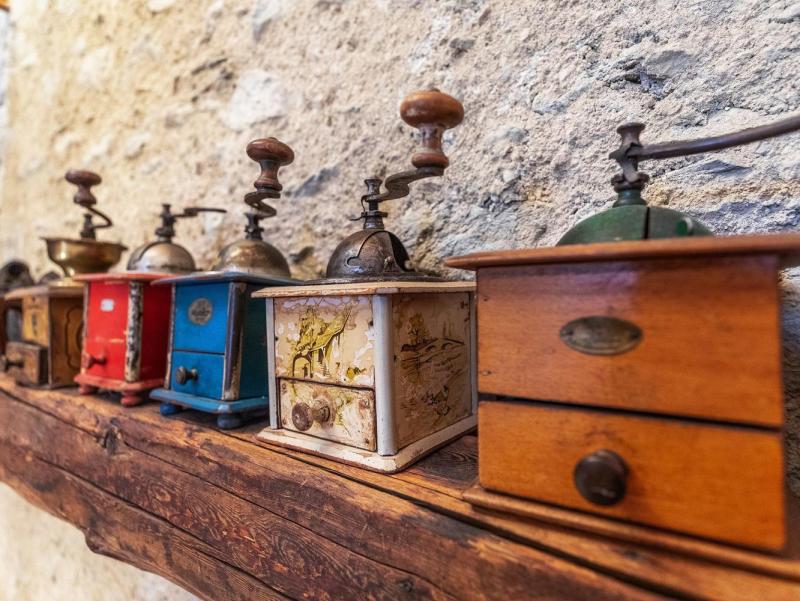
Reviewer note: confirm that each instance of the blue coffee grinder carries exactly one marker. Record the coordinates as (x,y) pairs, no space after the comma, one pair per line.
(217,347)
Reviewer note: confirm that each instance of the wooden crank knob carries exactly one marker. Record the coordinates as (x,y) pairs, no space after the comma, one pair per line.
(432,112)
(84,180)
(271,154)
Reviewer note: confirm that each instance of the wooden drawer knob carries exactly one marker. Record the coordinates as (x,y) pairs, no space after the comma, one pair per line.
(90,360)
(303,416)
(601,477)
(6,363)
(183,375)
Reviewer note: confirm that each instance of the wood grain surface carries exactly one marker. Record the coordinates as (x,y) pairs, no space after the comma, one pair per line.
(300,531)
(139,484)
(716,481)
(697,357)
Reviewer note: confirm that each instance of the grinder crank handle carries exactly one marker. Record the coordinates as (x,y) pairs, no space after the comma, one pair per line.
(166,231)
(431,112)
(195,211)
(84,197)
(631,150)
(271,154)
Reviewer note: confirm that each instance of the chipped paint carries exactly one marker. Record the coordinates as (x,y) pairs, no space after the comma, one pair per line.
(352,419)
(431,363)
(327,339)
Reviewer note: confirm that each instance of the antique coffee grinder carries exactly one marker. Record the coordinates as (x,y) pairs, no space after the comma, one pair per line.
(217,349)
(373,365)
(52,313)
(126,317)
(637,370)
(14,274)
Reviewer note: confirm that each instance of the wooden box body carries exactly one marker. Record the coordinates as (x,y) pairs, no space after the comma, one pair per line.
(52,320)
(126,334)
(664,352)
(392,364)
(10,321)
(217,332)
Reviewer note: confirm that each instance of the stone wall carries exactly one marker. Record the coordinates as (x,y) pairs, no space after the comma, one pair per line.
(161,97)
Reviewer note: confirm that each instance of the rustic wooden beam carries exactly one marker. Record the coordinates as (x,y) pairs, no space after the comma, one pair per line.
(120,530)
(266,523)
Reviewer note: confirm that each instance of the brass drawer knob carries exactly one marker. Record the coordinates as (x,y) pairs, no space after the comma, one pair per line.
(183,375)
(303,416)
(601,477)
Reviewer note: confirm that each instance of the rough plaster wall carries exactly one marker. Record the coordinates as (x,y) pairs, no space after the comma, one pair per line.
(161,97)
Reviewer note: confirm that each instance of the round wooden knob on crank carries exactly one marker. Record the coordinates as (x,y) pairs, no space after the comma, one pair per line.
(432,112)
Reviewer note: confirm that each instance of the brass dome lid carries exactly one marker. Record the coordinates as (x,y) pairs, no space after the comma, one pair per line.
(163,255)
(370,254)
(252,255)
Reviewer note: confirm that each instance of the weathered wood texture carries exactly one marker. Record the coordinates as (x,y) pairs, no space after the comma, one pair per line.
(231,519)
(711,480)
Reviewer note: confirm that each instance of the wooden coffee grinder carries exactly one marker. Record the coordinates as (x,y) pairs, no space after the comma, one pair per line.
(126,318)
(49,353)
(218,354)
(373,365)
(633,371)
(14,274)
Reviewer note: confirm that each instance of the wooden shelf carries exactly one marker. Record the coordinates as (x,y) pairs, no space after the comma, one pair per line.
(229,518)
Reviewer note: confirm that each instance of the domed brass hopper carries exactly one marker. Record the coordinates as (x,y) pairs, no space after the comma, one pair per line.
(162,255)
(86,254)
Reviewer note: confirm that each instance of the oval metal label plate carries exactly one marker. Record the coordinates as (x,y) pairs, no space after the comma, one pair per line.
(200,311)
(601,335)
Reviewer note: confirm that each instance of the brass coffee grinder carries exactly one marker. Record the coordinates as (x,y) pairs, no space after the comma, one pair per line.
(373,365)
(52,313)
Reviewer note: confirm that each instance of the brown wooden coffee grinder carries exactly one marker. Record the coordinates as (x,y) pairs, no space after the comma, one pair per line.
(49,353)
(635,368)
